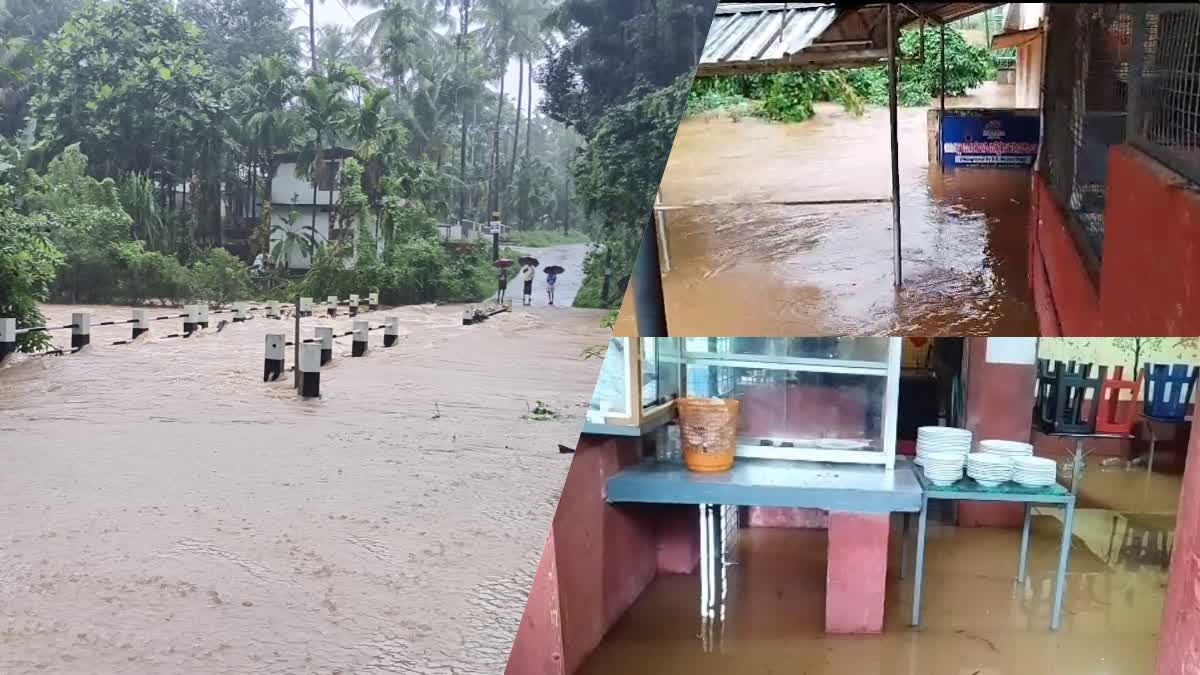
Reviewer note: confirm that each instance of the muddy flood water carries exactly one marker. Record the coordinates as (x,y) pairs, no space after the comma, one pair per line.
(976,619)
(163,510)
(734,232)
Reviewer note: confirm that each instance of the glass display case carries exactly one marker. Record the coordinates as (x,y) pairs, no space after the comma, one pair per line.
(815,399)
(638,385)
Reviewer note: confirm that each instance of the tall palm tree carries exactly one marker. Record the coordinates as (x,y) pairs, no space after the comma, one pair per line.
(377,137)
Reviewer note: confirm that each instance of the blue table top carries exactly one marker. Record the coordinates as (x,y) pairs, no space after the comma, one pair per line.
(969,490)
(853,488)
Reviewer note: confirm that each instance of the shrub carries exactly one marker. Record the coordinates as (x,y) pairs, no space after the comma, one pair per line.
(220,277)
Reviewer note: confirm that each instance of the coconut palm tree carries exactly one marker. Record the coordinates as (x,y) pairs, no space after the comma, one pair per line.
(324,102)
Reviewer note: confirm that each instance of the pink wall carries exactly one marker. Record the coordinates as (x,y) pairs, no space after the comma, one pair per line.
(1150,273)
(1179,637)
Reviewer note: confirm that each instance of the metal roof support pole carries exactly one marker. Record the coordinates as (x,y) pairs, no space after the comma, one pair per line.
(942,86)
(651,314)
(895,144)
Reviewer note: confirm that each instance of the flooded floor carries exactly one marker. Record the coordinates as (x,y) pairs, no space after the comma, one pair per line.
(976,618)
(162,510)
(734,230)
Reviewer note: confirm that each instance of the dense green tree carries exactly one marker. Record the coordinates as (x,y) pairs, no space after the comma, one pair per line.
(129,82)
(234,30)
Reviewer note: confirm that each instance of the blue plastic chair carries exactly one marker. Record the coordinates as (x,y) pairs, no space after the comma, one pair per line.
(1168,390)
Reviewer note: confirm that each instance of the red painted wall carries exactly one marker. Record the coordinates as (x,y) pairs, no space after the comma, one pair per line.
(1150,277)
(1072,295)
(1150,273)
(999,405)
(1179,638)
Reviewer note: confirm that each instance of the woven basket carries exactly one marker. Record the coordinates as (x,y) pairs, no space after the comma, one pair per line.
(708,432)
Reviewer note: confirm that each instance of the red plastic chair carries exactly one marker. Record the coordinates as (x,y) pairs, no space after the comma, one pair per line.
(1109,419)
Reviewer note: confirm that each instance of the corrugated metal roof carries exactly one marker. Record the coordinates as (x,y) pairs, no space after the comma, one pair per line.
(747,32)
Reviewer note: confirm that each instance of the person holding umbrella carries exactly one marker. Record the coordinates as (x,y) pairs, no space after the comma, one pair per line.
(528,269)
(552,273)
(502,279)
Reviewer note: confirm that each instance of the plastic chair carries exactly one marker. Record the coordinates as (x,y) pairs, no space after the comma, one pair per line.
(1062,409)
(1109,419)
(1168,390)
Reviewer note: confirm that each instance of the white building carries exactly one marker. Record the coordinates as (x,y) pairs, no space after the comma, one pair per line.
(290,193)
(1023,29)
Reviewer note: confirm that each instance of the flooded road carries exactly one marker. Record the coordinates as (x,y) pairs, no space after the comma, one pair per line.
(733,232)
(162,510)
(570,257)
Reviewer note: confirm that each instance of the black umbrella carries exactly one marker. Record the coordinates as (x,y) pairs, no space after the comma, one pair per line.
(553,269)
(528,260)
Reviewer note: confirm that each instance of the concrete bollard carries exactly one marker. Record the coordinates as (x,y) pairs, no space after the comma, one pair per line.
(8,337)
(81,332)
(361,332)
(140,323)
(273,363)
(306,306)
(325,335)
(203,309)
(353,305)
(333,301)
(272,313)
(468,317)
(310,370)
(191,319)
(391,331)
(239,312)
(373,302)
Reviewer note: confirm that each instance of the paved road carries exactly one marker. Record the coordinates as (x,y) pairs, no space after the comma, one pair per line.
(570,257)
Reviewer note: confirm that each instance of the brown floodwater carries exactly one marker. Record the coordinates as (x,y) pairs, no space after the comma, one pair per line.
(162,510)
(976,619)
(745,259)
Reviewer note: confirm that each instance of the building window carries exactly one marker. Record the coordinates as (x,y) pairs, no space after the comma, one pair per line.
(327,176)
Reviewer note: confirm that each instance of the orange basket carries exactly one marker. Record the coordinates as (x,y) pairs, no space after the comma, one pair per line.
(708,432)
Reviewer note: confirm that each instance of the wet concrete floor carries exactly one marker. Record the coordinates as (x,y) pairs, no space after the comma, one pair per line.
(162,510)
(976,618)
(734,234)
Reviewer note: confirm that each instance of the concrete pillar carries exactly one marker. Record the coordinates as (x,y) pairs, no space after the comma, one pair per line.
(353,304)
(333,302)
(81,333)
(361,332)
(273,363)
(8,337)
(1179,639)
(191,320)
(999,404)
(468,317)
(391,331)
(202,312)
(324,334)
(373,301)
(310,370)
(306,306)
(239,312)
(856,572)
(272,310)
(140,323)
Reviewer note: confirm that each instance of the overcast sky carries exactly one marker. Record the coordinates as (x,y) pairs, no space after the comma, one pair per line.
(343,13)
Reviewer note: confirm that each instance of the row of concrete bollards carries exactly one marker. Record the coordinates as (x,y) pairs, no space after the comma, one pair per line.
(318,351)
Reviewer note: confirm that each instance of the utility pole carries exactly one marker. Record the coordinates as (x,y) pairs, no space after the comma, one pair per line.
(462,148)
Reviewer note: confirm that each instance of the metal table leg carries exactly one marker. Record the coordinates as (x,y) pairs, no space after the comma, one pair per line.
(904,519)
(1024,543)
(1153,442)
(1064,555)
(921,529)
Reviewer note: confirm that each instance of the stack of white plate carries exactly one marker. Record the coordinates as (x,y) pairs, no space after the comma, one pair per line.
(941,439)
(1010,449)
(1034,472)
(943,467)
(989,470)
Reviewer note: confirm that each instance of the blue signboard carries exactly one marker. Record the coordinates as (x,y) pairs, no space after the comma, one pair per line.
(993,138)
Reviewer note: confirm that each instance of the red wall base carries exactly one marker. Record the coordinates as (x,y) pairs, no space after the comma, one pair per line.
(776,516)
(1179,641)
(856,572)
